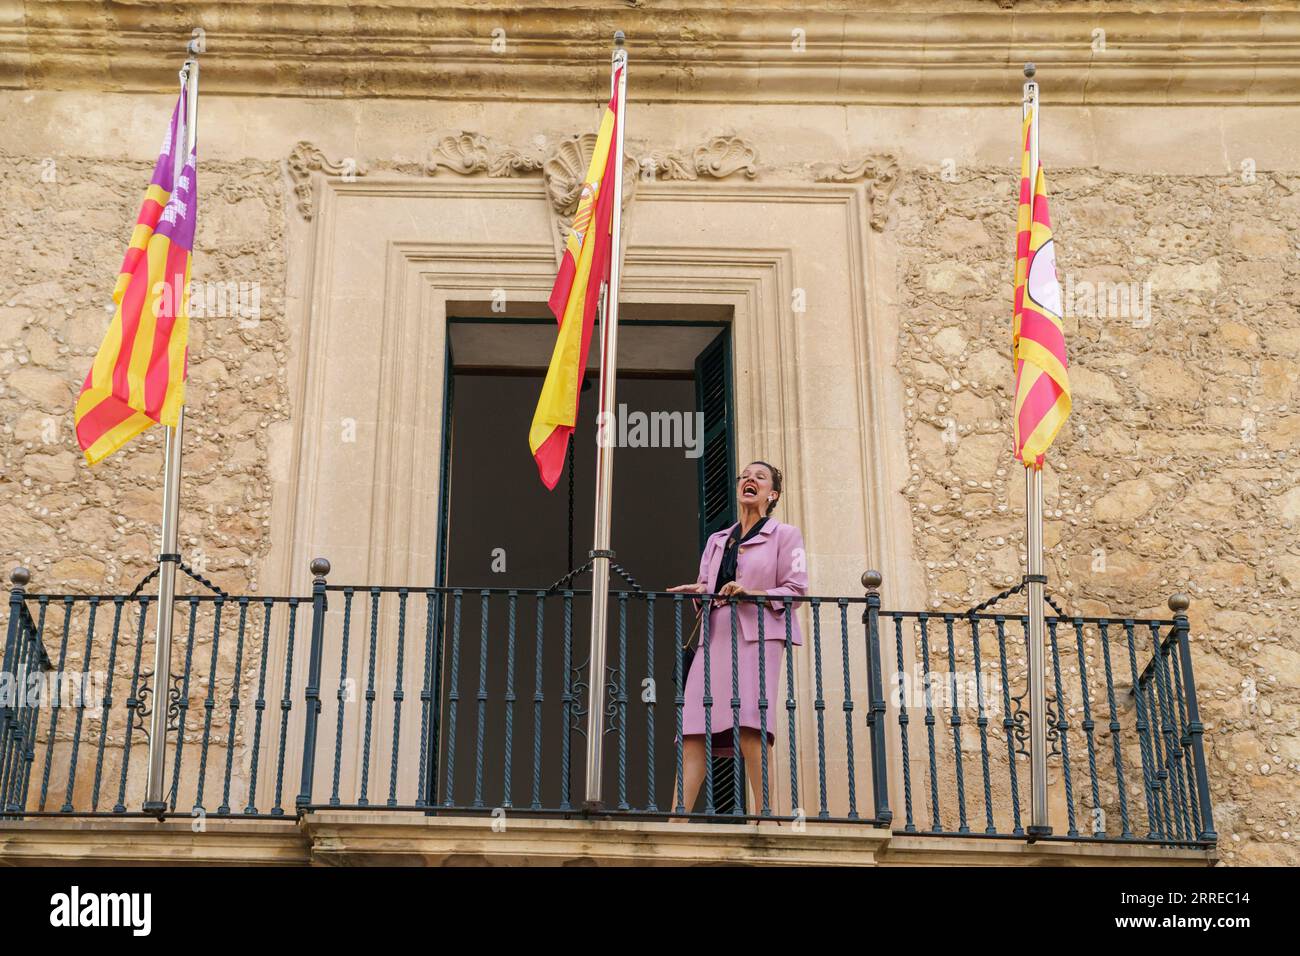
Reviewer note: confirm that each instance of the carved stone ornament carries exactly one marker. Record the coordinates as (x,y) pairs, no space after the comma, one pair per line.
(716,158)
(468,153)
(667,166)
(566,168)
(882,173)
(306,159)
(723,155)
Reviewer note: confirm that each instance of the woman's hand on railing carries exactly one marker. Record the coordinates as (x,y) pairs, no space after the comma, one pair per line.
(736,589)
(730,589)
(699,587)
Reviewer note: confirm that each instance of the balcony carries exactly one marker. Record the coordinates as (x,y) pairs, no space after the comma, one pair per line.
(383,724)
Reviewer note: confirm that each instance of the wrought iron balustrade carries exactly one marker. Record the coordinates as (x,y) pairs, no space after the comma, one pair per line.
(473,700)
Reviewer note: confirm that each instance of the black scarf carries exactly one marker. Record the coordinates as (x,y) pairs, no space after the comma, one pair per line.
(731,553)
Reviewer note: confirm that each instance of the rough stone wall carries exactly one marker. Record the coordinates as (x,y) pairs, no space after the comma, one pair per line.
(66,222)
(1178,469)
(90,530)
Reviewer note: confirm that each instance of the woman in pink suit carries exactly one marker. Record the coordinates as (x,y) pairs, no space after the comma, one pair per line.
(756,556)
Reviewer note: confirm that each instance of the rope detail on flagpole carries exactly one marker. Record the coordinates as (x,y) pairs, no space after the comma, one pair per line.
(214,588)
(614,566)
(1024,582)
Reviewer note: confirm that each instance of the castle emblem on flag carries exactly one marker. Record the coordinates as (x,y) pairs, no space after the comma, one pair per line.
(1038,336)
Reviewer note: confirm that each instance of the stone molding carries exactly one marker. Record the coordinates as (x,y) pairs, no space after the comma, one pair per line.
(953,52)
(305,159)
(563,166)
(387,838)
(363,506)
(880,171)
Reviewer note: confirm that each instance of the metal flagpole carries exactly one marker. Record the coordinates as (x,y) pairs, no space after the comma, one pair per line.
(1038,825)
(169,557)
(601,554)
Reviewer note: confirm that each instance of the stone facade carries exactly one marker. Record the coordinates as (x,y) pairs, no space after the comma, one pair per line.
(96,529)
(1177,471)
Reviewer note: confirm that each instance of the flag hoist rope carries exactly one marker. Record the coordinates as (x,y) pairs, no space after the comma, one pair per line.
(169,557)
(1038,821)
(601,554)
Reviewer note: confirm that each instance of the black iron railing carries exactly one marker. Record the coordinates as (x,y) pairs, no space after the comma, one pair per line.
(473,700)
(25,667)
(1124,765)
(505,723)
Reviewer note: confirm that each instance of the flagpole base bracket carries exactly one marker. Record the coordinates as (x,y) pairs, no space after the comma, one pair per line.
(1036,833)
(158,809)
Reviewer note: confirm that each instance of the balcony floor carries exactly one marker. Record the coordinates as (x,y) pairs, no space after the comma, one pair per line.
(378,837)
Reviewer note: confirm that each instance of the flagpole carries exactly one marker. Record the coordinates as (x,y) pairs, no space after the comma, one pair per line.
(601,553)
(169,556)
(1039,825)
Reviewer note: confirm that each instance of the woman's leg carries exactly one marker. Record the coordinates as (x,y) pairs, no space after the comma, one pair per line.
(692,771)
(751,747)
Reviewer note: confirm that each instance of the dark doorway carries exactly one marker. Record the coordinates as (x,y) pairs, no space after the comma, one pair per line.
(503,529)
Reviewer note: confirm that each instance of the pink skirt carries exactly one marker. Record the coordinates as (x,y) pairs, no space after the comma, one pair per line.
(723,686)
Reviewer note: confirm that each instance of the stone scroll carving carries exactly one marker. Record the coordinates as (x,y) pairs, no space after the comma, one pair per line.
(468,153)
(564,171)
(566,167)
(306,159)
(563,165)
(716,158)
(723,155)
(880,171)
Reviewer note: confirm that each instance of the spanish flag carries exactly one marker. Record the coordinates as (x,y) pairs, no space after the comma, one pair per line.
(584,268)
(138,377)
(1037,335)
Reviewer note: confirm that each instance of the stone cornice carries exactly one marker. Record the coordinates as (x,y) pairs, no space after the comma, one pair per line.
(962,52)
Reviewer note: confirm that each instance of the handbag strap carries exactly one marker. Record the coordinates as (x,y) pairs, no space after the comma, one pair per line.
(699,616)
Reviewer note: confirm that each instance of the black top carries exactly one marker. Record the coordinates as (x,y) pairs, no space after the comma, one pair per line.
(731,553)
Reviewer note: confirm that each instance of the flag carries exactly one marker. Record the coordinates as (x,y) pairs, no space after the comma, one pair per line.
(573,301)
(138,376)
(1037,336)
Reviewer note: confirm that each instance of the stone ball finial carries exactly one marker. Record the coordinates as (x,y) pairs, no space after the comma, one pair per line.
(20,576)
(1179,603)
(872,580)
(1030,70)
(320,567)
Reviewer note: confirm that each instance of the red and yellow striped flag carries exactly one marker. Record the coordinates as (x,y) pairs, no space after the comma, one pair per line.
(1037,336)
(138,377)
(573,300)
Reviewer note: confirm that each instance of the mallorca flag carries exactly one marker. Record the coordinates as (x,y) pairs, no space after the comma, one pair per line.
(573,300)
(138,378)
(1037,336)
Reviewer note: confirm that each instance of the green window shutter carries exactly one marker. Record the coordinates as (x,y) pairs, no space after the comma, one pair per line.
(717,463)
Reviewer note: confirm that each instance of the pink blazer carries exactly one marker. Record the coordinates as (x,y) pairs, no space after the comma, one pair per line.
(773,561)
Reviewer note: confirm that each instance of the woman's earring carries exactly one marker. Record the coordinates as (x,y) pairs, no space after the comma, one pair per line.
(771,497)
